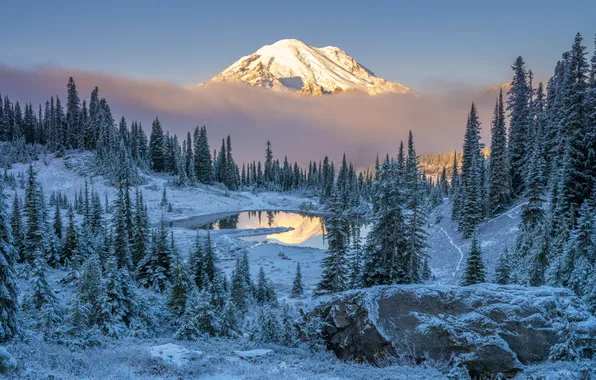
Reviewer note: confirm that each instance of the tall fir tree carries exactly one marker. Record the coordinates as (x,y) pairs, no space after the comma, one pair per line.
(474,272)
(118,303)
(335,264)
(415,219)
(16,225)
(181,285)
(383,255)
(9,296)
(297,285)
(70,248)
(470,191)
(456,196)
(503,270)
(35,230)
(577,179)
(518,105)
(141,229)
(499,192)
(157,147)
(73,116)
(154,269)
(196,264)
(209,259)
(239,290)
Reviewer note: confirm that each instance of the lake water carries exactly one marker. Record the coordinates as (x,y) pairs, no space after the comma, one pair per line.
(307,230)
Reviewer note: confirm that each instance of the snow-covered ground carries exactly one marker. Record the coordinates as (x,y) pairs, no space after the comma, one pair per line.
(65,175)
(215,358)
(133,358)
(448,250)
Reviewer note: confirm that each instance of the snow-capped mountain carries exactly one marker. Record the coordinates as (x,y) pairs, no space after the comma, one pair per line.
(291,65)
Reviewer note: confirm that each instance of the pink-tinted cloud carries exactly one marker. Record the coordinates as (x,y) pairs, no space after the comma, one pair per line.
(302,128)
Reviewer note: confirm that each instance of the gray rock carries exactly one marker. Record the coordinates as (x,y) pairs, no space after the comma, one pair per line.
(8,363)
(489,328)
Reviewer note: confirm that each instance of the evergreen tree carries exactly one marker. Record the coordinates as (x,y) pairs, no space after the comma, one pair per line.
(141,230)
(16,225)
(205,314)
(156,147)
(580,251)
(121,238)
(265,293)
(118,304)
(268,173)
(503,271)
(239,293)
(415,220)
(195,262)
(471,212)
(229,324)
(355,278)
(540,257)
(580,176)
(73,116)
(154,269)
(499,192)
(189,325)
(96,220)
(35,231)
(189,159)
(70,248)
(474,273)
(217,291)
(245,272)
(203,165)
(41,293)
(57,224)
(335,271)
(297,286)
(267,328)
(209,259)
(518,105)
(180,285)
(532,243)
(231,172)
(9,295)
(384,261)
(289,334)
(90,292)
(342,188)
(456,193)
(164,198)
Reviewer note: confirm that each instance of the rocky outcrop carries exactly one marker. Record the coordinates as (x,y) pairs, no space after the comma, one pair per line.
(488,328)
(8,363)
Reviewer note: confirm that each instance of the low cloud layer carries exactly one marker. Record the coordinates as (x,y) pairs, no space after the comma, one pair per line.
(302,128)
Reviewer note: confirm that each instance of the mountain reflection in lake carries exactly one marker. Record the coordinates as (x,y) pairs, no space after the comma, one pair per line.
(308,230)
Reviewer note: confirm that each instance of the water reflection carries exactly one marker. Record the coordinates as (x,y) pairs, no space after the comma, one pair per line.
(307,230)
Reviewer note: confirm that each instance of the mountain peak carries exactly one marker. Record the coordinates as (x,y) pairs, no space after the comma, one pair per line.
(290,65)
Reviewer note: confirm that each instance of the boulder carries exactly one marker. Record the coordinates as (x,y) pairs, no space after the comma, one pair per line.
(488,328)
(8,363)
(174,354)
(254,354)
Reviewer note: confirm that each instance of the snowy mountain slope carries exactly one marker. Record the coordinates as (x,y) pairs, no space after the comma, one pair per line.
(448,250)
(293,66)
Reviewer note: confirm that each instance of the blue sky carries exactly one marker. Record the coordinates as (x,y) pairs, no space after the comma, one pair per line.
(416,42)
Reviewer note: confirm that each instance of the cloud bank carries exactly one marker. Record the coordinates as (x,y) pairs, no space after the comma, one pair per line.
(302,128)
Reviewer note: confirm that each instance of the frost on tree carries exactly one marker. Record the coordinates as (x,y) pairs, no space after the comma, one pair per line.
(8,293)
